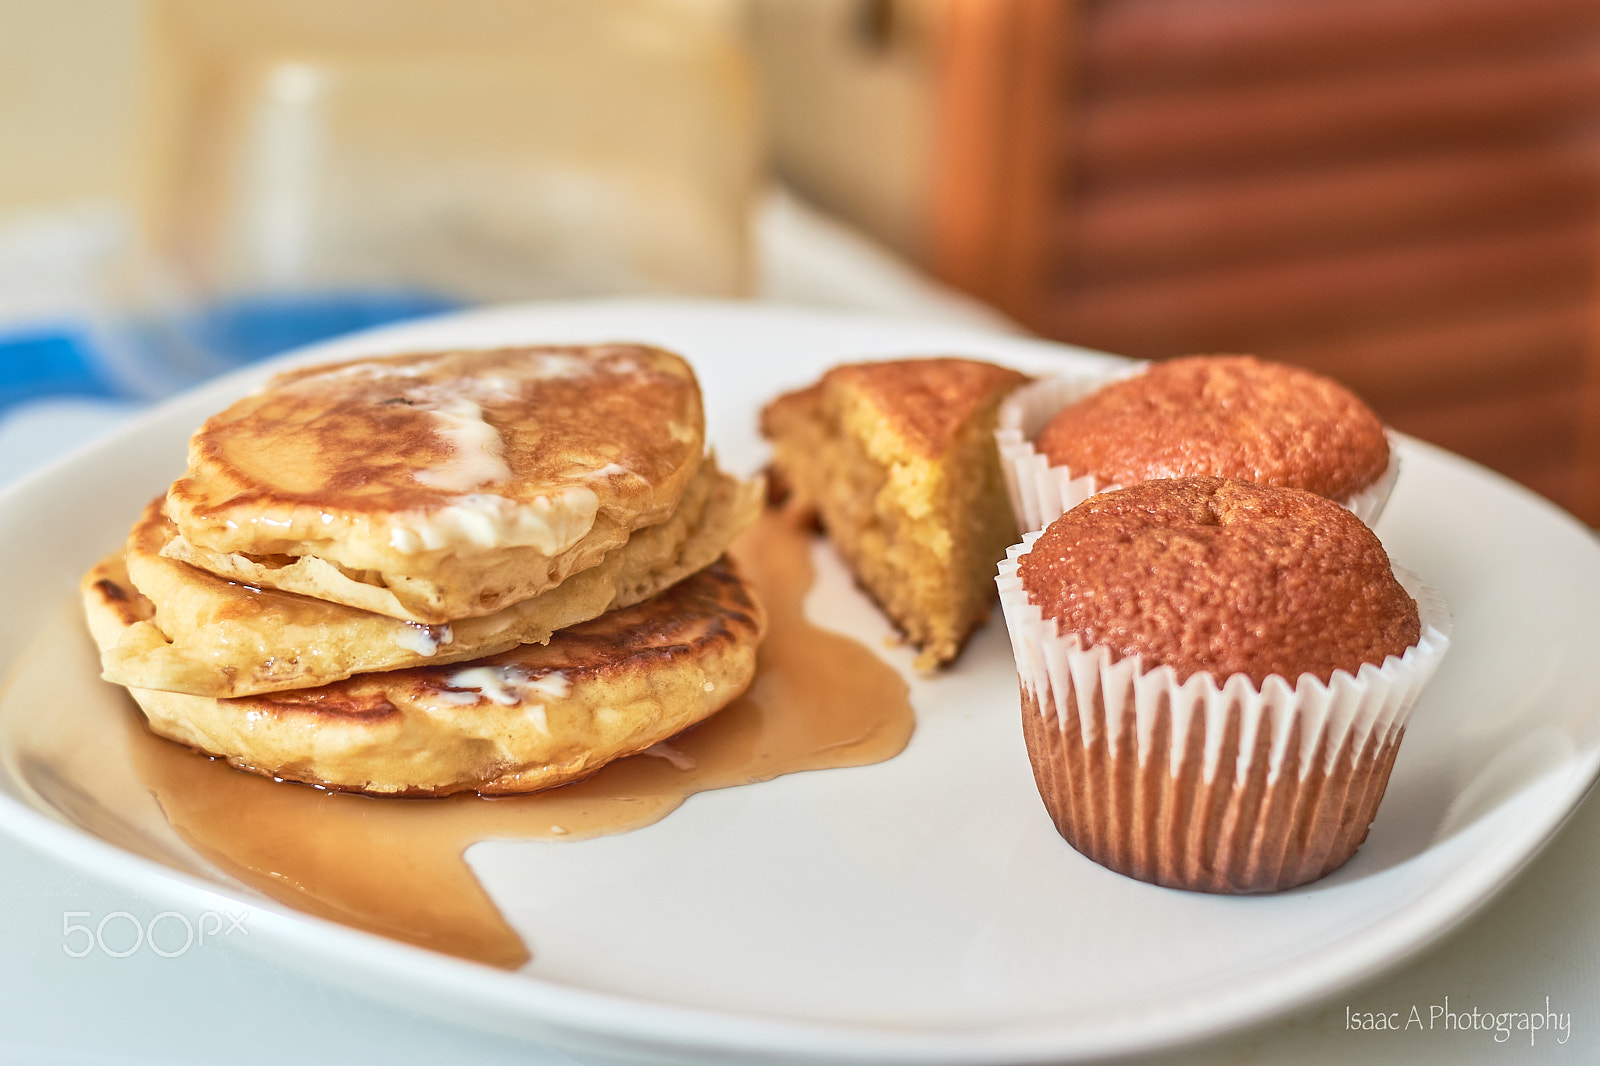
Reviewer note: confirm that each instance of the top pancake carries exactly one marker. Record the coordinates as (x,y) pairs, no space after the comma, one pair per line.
(457,481)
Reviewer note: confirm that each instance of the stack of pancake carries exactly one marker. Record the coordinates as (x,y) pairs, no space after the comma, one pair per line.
(424,574)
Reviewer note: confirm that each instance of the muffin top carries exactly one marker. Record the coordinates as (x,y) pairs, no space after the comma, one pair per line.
(1211,574)
(1225,415)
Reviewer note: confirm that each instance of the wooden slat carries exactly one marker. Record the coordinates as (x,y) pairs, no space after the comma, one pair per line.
(1134,46)
(998,151)
(1515,100)
(1193,224)
(1273,304)
(1037,51)
(969,149)
(1404,195)
(1586,488)
(1507,431)
(1553,477)
(1470,352)
(1557,481)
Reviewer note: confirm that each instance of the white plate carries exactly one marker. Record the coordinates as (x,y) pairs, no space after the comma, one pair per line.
(920,910)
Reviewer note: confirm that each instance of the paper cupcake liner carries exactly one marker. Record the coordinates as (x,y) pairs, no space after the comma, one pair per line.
(1208,786)
(1369,503)
(1041,493)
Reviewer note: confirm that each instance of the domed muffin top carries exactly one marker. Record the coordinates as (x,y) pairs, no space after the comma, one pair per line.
(1224,415)
(1211,574)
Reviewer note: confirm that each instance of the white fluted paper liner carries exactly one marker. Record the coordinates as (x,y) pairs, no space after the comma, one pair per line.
(1041,493)
(1341,716)
(1368,504)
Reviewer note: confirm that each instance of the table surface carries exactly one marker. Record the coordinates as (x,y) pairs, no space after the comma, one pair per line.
(1538,943)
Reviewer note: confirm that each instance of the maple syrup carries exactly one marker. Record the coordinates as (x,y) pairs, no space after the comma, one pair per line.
(397,866)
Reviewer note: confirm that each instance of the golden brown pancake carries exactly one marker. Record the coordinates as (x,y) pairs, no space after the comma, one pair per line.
(213,637)
(526,719)
(440,486)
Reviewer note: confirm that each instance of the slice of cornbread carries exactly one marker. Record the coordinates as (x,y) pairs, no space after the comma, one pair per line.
(897,461)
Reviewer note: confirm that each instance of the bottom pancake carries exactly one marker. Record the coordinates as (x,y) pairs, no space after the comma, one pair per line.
(523,720)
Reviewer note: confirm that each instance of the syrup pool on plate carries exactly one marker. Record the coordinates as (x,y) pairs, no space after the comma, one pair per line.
(397,866)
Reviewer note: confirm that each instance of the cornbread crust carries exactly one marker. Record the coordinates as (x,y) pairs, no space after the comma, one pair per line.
(527,719)
(925,403)
(1208,574)
(1228,416)
(440,486)
(213,637)
(897,461)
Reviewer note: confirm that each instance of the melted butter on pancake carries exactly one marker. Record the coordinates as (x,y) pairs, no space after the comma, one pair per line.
(423,639)
(505,684)
(478,452)
(551,523)
(612,470)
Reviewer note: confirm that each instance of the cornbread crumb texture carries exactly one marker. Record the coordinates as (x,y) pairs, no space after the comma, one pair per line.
(1229,416)
(1209,574)
(898,462)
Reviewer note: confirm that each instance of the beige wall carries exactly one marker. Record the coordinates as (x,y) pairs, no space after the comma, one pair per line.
(849,104)
(501,149)
(67,72)
(494,149)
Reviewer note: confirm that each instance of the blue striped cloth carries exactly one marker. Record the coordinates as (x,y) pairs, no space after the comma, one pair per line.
(49,359)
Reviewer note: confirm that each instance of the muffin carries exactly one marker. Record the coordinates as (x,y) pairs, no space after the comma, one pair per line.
(1219,415)
(1215,679)
(896,460)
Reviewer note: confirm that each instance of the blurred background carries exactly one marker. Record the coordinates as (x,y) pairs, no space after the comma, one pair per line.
(1404,194)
